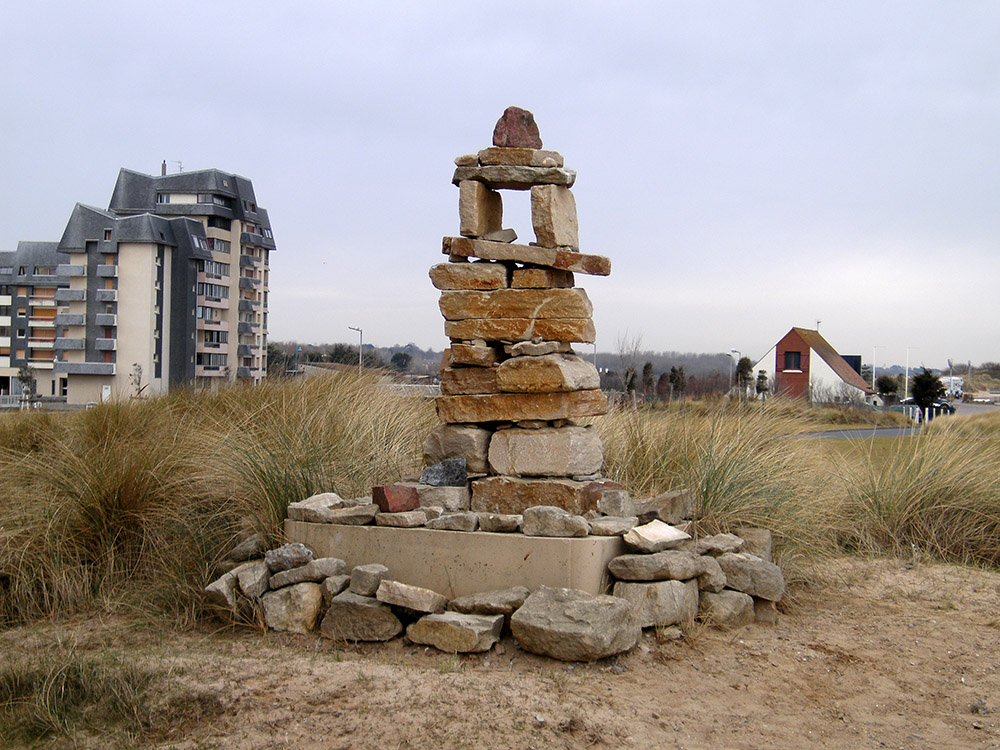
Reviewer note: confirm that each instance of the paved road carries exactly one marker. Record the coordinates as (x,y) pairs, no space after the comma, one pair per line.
(863,433)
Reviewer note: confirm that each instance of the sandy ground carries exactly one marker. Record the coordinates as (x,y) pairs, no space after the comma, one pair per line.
(878,654)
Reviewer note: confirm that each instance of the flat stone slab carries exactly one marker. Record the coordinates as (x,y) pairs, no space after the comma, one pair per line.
(546,452)
(546,373)
(550,257)
(655,536)
(481,276)
(417,598)
(464,381)
(514,407)
(453,632)
(527,157)
(514,176)
(359,618)
(522,329)
(512,495)
(456,563)
(516,303)
(661,603)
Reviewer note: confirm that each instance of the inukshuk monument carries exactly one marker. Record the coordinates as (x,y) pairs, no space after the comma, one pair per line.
(512,385)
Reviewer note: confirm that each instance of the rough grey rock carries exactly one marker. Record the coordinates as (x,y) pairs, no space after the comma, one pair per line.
(501,235)
(505,523)
(671,564)
(548,520)
(332,586)
(504,602)
(612,526)
(616,503)
(670,507)
(221,592)
(253,578)
(468,441)
(719,544)
(765,612)
(365,579)
(314,571)
(359,618)
(713,579)
(251,547)
(287,556)
(407,519)
(573,625)
(465,521)
(411,597)
(655,536)
(451,472)
(357,515)
(294,609)
(759,541)
(726,609)
(751,575)
(661,603)
(453,632)
(451,499)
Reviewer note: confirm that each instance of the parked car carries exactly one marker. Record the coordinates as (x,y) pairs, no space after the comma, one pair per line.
(942,407)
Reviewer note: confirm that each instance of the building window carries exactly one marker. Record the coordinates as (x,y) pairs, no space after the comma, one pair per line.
(45,270)
(7,270)
(219,246)
(216,222)
(107,234)
(163,197)
(216,337)
(214,268)
(218,291)
(21,271)
(793,361)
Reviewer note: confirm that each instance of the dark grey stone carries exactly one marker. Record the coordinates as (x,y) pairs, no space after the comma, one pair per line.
(448,473)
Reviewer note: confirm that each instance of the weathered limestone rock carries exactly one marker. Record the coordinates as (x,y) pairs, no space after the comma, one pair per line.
(537,347)
(547,373)
(459,441)
(467,160)
(448,472)
(221,592)
(713,579)
(727,609)
(550,257)
(253,578)
(514,177)
(461,381)
(359,515)
(765,612)
(248,549)
(314,571)
(751,575)
(313,509)
(662,602)
(332,586)
(511,495)
(474,355)
(395,498)
(676,565)
(546,452)
(670,507)
(453,632)
(522,329)
(528,157)
(503,523)
(410,519)
(464,521)
(548,520)
(504,602)
(287,556)
(759,541)
(482,276)
(359,618)
(616,503)
(553,216)
(719,544)
(513,407)
(365,579)
(516,128)
(294,609)
(411,597)
(541,278)
(516,303)
(573,625)
(501,235)
(612,525)
(448,499)
(654,536)
(480,210)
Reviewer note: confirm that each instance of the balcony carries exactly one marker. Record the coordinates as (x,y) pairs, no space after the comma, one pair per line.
(41,343)
(106,295)
(70,295)
(203,371)
(212,325)
(65,344)
(70,319)
(5,341)
(106,319)
(42,363)
(211,346)
(5,299)
(107,272)
(220,302)
(71,270)
(244,372)
(244,350)
(245,327)
(4,320)
(42,322)
(35,301)
(248,305)
(84,368)
(105,345)
(249,261)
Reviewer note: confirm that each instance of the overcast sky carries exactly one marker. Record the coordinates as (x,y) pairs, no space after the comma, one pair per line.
(747,166)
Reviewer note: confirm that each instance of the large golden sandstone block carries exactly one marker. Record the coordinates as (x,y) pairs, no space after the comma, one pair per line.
(522,329)
(515,303)
(514,407)
(550,257)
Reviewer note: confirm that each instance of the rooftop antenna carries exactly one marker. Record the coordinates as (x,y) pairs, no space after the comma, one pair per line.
(818,321)
(180,166)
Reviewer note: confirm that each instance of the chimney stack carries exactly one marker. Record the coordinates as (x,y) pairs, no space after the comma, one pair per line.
(163,168)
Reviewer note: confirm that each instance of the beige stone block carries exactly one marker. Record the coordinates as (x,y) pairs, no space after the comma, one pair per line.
(474,355)
(550,257)
(480,210)
(512,407)
(541,278)
(458,441)
(467,160)
(526,157)
(451,499)
(457,381)
(514,177)
(480,276)
(548,373)
(522,329)
(546,452)
(553,216)
(516,303)
(536,348)
(513,495)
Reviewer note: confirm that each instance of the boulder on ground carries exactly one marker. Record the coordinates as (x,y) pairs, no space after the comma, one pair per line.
(573,625)
(661,603)
(251,547)
(726,609)
(654,536)
(332,586)
(548,520)
(453,632)
(759,541)
(365,579)
(713,578)
(253,578)
(412,597)
(671,564)
(359,618)
(287,556)
(765,612)
(293,608)
(221,593)
(751,575)
(504,602)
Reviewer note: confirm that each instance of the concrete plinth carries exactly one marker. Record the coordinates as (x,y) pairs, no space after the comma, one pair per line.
(456,563)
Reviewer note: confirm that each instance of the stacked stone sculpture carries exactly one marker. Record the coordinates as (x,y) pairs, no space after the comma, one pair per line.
(512,384)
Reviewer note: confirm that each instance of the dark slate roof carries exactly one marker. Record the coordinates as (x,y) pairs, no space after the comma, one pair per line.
(35,254)
(837,363)
(87,223)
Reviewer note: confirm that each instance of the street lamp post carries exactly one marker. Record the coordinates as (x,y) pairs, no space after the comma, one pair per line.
(739,356)
(361,343)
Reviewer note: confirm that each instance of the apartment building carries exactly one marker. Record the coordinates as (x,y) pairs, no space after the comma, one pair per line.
(168,286)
